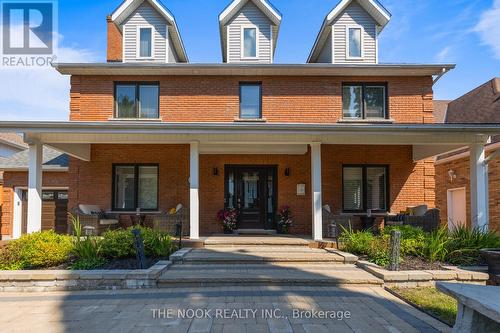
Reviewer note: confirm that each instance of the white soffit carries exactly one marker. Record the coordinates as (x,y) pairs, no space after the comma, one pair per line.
(280,149)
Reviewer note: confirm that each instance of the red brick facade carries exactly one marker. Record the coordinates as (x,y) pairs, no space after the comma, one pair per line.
(115,42)
(20,179)
(91,182)
(461,167)
(284,99)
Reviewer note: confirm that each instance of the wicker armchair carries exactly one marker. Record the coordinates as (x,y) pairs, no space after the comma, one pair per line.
(93,220)
(170,223)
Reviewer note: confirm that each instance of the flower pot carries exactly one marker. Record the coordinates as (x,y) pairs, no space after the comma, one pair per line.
(228,231)
(493,258)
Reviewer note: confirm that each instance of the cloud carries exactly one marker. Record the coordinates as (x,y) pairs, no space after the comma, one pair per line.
(39,93)
(443,55)
(488,28)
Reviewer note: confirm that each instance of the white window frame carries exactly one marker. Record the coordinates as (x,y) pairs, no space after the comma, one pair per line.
(242,41)
(362,42)
(138,41)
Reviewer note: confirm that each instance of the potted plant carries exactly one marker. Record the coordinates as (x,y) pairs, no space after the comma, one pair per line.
(228,218)
(493,258)
(285,220)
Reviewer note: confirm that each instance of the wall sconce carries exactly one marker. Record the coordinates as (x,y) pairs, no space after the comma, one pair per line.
(452,175)
(216,172)
(287,172)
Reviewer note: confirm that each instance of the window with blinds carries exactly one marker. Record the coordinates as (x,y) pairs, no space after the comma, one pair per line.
(364,187)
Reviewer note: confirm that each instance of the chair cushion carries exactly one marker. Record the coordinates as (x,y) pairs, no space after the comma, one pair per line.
(178,207)
(89,209)
(108,222)
(419,210)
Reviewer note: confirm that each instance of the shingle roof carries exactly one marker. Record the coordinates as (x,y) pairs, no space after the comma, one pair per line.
(440,108)
(13,138)
(481,105)
(52,160)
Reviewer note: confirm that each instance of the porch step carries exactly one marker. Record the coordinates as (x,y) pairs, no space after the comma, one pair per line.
(254,232)
(251,240)
(183,275)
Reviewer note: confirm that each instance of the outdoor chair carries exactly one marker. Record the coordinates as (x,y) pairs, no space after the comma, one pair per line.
(420,216)
(333,225)
(169,222)
(93,220)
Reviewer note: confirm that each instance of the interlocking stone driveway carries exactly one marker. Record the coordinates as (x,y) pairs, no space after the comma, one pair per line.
(231,309)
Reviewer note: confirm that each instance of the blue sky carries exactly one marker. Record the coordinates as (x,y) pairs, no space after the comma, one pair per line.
(464,32)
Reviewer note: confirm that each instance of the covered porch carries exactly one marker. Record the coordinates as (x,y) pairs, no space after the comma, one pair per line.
(307,160)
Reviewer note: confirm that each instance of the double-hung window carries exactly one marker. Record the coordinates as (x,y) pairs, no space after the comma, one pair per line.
(354,42)
(249,44)
(364,100)
(365,187)
(145,42)
(135,186)
(137,100)
(250,100)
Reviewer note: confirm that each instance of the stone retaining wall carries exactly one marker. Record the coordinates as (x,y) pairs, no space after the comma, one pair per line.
(424,278)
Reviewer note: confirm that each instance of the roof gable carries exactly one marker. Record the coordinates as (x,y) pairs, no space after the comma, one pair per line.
(372,7)
(234,7)
(128,7)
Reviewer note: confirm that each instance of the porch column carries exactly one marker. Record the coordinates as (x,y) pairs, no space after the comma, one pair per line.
(35,153)
(194,200)
(478,187)
(317,217)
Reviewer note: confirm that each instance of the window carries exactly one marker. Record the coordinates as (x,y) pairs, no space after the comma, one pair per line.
(365,187)
(364,101)
(354,42)
(135,186)
(137,100)
(250,100)
(249,42)
(145,42)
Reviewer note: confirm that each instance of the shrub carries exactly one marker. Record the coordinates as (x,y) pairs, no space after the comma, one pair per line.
(436,245)
(412,239)
(87,248)
(379,251)
(156,244)
(118,244)
(465,243)
(357,242)
(37,250)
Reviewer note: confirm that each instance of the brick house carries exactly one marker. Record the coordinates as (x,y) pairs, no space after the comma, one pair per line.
(149,130)
(453,196)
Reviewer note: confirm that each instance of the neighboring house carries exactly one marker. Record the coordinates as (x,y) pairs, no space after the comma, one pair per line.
(148,130)
(481,105)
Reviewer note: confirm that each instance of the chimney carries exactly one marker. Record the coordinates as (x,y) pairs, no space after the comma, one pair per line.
(115,42)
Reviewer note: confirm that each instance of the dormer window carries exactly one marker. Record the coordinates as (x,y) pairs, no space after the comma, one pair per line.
(249,45)
(145,45)
(355,42)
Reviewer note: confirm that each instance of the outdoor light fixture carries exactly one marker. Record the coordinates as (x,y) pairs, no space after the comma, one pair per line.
(216,172)
(452,175)
(287,172)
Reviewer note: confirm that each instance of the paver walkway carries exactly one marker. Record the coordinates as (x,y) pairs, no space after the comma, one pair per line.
(229,309)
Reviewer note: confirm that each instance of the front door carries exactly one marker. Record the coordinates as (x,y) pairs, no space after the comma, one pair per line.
(251,190)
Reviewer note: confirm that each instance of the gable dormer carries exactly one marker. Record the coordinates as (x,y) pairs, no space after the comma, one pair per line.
(249,31)
(144,31)
(349,34)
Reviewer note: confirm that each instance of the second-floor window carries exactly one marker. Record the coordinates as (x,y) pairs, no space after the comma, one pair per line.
(249,45)
(364,100)
(137,100)
(250,100)
(145,47)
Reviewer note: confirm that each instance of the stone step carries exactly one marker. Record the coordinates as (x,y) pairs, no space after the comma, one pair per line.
(249,240)
(182,275)
(254,232)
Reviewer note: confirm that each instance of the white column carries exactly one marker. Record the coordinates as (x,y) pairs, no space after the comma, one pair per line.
(35,152)
(317,217)
(478,187)
(194,184)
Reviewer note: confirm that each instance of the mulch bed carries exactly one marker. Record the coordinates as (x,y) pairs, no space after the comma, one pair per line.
(417,264)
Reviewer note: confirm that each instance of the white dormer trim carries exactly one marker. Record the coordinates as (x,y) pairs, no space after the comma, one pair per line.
(344,3)
(226,15)
(138,42)
(354,26)
(123,7)
(242,46)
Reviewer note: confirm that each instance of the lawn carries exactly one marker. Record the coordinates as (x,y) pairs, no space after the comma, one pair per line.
(432,301)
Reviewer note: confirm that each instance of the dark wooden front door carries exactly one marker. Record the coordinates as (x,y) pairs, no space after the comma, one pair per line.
(252,191)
